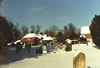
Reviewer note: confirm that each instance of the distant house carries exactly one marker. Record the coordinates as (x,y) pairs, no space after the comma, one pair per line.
(85,31)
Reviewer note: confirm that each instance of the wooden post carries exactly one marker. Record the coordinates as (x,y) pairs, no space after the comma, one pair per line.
(79,60)
(56,45)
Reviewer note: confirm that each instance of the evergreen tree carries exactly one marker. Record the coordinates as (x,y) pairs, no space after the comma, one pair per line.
(95,30)
(5,29)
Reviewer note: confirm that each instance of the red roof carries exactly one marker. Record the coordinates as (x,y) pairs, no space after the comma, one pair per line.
(88,36)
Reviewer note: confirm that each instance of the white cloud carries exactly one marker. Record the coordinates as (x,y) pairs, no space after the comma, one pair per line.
(38,8)
(62,17)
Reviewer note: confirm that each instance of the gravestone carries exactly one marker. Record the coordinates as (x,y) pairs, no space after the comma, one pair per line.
(79,60)
(61,45)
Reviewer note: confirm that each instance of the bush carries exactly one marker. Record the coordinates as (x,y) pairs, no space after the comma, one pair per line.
(95,30)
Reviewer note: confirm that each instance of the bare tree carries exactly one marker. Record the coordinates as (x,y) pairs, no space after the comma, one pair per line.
(24,29)
(38,27)
(15,30)
(72,28)
(60,37)
(1,7)
(65,29)
(66,32)
(52,30)
(32,28)
(1,2)
(74,34)
(46,31)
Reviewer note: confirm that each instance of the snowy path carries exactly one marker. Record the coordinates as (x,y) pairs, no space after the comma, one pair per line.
(60,59)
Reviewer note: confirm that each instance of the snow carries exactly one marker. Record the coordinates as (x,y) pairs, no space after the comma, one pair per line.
(85,30)
(60,59)
(30,35)
(47,38)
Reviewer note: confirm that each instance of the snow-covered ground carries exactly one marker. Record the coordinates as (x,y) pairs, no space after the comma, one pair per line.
(60,59)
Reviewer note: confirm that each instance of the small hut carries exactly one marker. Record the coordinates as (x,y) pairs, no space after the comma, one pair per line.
(31,38)
(85,31)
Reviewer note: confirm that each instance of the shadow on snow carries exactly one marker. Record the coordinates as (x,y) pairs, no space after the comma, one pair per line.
(12,56)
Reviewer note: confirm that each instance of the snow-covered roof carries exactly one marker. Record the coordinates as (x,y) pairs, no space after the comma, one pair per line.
(30,35)
(17,41)
(85,30)
(47,38)
(45,35)
(39,36)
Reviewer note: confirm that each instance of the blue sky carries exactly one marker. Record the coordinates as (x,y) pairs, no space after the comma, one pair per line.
(51,12)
